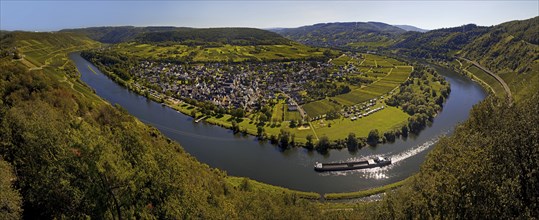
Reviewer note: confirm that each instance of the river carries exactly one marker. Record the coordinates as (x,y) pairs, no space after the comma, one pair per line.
(245,156)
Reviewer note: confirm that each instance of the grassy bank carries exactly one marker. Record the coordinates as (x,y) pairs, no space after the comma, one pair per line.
(239,182)
(365,193)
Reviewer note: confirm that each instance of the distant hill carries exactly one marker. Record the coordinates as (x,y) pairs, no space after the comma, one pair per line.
(196,36)
(511,46)
(116,34)
(411,28)
(341,34)
(438,43)
(510,49)
(233,36)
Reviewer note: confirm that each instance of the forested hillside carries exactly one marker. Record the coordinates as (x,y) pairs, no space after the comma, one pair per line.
(219,36)
(512,51)
(116,34)
(440,43)
(74,156)
(343,35)
(183,35)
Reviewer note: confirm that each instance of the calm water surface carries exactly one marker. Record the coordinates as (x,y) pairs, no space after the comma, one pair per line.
(245,156)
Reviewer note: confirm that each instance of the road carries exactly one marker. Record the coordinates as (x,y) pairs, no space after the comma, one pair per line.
(499,79)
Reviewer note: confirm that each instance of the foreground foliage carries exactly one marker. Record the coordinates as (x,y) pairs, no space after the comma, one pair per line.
(76,157)
(489,168)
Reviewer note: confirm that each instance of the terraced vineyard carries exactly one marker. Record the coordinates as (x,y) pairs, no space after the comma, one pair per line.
(223,53)
(49,50)
(48,54)
(387,74)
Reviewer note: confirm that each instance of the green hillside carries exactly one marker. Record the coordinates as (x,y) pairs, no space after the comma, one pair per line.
(439,43)
(512,51)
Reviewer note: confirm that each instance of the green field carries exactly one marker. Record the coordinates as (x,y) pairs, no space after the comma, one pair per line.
(278,111)
(292,115)
(387,119)
(319,107)
(341,60)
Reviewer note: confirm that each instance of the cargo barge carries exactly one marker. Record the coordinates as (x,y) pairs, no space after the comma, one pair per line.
(370,163)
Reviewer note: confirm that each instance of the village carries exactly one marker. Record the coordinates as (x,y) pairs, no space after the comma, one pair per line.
(248,86)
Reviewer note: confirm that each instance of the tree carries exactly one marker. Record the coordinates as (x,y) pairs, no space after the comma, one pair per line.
(284,138)
(235,126)
(404,130)
(260,132)
(293,140)
(373,137)
(292,124)
(309,144)
(263,118)
(237,113)
(352,142)
(323,144)
(10,199)
(390,136)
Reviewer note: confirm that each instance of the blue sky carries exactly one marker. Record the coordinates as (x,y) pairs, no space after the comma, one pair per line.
(56,15)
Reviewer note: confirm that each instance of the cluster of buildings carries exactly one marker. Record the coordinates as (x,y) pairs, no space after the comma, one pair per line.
(244,85)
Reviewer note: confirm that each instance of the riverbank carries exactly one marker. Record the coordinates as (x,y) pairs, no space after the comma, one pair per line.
(365,193)
(290,168)
(240,182)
